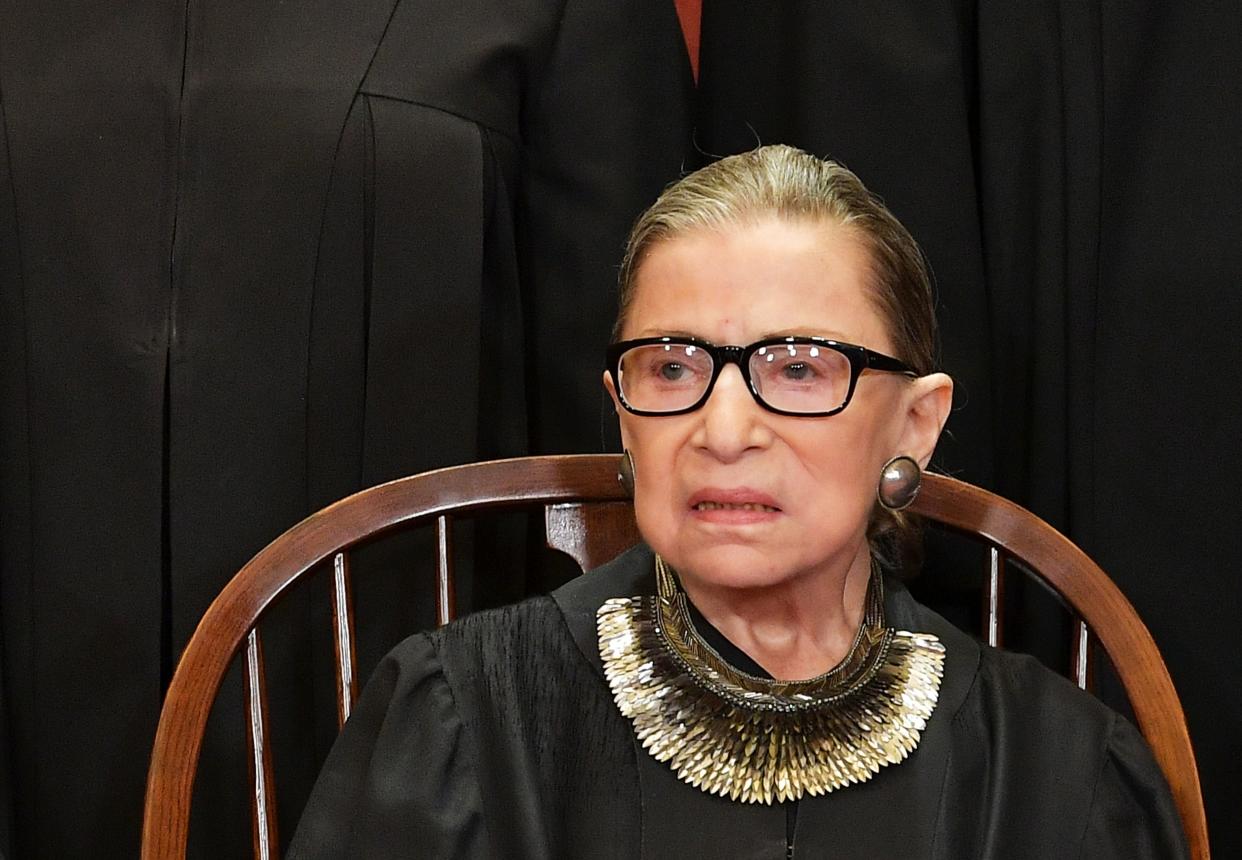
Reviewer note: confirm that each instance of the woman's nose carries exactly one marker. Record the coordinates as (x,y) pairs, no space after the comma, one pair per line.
(733,422)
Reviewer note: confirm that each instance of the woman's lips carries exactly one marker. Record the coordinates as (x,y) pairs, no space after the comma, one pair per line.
(729,506)
(736,506)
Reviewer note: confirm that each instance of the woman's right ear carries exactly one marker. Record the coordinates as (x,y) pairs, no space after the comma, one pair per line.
(617,408)
(612,392)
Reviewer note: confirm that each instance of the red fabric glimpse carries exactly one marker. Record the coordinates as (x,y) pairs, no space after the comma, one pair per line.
(691,14)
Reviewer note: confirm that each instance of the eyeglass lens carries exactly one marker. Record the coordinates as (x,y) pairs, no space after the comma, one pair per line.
(792,377)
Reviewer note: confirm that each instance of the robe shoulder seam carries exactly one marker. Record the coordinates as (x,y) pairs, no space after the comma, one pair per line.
(435,642)
(1095,788)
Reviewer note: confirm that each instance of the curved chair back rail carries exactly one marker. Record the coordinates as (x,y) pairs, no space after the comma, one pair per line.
(570,487)
(1105,613)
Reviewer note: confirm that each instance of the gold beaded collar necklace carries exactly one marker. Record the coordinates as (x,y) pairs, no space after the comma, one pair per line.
(760,740)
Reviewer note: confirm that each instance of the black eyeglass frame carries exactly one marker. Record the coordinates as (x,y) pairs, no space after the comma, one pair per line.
(860,359)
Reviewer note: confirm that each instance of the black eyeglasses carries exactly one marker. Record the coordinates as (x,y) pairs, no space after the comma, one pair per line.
(807,376)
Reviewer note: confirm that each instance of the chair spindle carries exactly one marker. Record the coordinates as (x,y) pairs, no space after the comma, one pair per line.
(590,534)
(994,599)
(343,638)
(446,588)
(262,776)
(1082,656)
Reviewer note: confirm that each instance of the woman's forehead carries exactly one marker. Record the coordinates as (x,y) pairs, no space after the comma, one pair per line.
(748,281)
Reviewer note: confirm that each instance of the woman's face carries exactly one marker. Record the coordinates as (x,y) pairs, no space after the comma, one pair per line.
(732,494)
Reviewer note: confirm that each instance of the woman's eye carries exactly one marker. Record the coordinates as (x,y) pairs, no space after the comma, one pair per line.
(798,371)
(672,371)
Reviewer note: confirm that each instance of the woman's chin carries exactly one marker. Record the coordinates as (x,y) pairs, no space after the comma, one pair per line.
(732,566)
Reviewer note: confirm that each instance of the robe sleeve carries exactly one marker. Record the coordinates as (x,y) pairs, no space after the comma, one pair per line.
(400,780)
(1132,811)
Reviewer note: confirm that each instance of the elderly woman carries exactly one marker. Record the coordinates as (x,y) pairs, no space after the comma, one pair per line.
(747,683)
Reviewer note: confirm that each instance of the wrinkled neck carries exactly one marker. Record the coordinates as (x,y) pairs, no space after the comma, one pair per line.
(796,631)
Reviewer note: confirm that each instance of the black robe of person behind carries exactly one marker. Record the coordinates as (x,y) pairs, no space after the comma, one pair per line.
(498,737)
(255,256)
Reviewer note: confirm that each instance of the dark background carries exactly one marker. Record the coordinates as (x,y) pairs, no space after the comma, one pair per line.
(238,240)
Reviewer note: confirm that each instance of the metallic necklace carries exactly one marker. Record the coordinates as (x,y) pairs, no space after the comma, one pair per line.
(759,740)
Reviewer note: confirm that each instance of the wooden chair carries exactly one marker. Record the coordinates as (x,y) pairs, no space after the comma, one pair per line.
(588,517)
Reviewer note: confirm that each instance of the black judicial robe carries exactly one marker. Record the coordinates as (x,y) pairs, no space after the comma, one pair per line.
(498,737)
(255,256)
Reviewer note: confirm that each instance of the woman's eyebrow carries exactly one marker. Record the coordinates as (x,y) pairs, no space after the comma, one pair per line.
(806,332)
(656,331)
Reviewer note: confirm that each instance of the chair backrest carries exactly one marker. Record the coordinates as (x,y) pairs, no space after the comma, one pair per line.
(588,516)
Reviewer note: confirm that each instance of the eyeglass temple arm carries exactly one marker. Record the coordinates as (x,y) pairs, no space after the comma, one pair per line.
(880,361)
